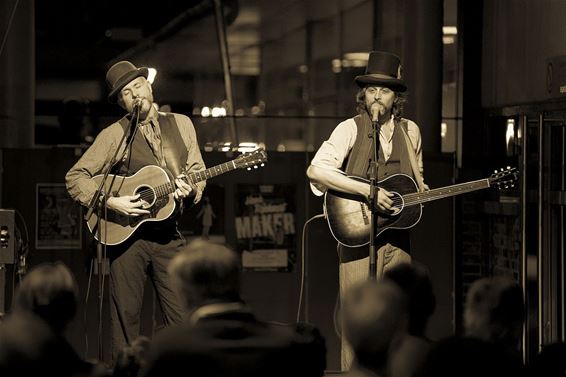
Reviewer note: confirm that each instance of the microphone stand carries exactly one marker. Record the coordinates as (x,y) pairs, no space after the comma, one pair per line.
(98,202)
(374,189)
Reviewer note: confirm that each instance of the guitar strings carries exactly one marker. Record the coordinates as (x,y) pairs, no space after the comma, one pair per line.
(148,194)
(161,190)
(407,200)
(193,178)
(416,197)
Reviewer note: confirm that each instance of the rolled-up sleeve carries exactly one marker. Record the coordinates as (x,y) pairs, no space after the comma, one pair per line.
(415,136)
(194,157)
(94,160)
(333,152)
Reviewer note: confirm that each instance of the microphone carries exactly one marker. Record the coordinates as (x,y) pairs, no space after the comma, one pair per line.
(138,102)
(374,110)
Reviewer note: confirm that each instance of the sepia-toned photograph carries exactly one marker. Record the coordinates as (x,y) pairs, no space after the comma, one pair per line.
(366,188)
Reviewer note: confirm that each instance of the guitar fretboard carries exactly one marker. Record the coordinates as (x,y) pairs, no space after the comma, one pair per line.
(199,176)
(445,192)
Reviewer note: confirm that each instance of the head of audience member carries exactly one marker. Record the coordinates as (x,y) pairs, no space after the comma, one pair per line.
(414,280)
(49,291)
(494,311)
(374,316)
(132,358)
(205,272)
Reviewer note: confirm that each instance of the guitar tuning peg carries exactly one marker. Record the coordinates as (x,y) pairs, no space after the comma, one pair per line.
(495,171)
(255,166)
(508,167)
(249,168)
(262,164)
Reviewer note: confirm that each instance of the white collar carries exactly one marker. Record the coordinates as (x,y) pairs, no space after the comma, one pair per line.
(386,130)
(390,123)
(211,309)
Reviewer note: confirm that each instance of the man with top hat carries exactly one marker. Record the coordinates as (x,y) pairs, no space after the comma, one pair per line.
(167,140)
(348,152)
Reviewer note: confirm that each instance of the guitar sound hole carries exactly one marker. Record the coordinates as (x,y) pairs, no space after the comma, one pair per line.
(146,194)
(398,204)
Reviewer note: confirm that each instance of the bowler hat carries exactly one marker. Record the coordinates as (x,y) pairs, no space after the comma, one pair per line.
(383,69)
(120,74)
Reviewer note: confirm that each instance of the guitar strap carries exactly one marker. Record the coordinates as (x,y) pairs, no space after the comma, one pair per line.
(412,157)
(174,150)
(173,147)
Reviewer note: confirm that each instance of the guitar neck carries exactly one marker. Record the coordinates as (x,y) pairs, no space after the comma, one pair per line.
(445,192)
(212,172)
(200,176)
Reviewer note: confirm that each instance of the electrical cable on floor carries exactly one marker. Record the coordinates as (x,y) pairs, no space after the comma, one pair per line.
(336,320)
(303,259)
(87,295)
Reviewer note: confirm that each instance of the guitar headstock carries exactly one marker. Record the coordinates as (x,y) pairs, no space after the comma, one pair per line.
(504,178)
(249,160)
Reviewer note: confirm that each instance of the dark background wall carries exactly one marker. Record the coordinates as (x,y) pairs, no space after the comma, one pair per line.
(274,295)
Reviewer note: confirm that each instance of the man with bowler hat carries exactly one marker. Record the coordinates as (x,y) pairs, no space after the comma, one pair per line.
(167,140)
(348,152)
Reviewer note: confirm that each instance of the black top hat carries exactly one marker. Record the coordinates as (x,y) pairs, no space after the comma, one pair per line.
(383,69)
(120,74)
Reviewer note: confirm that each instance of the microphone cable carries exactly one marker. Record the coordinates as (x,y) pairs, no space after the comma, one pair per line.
(303,260)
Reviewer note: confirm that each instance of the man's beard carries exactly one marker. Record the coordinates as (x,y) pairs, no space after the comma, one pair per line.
(377,111)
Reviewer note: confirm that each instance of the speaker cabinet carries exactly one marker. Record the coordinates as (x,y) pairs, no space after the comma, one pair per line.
(7,236)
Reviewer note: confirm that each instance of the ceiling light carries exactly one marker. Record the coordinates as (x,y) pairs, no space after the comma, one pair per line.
(449,30)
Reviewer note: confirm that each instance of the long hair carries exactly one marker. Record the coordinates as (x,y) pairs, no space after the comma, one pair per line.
(396,110)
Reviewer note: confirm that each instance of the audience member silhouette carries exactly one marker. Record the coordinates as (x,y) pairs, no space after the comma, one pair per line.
(132,358)
(493,319)
(414,281)
(221,336)
(31,337)
(374,315)
(494,312)
(466,357)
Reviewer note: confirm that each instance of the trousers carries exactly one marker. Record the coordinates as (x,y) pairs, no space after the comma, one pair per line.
(129,269)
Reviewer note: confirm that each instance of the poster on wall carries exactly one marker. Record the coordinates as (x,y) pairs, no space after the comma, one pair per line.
(206,218)
(265,227)
(57,218)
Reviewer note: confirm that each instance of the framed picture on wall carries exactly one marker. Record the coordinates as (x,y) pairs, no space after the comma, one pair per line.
(57,218)
(265,227)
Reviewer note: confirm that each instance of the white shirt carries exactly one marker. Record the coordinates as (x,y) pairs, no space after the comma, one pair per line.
(333,152)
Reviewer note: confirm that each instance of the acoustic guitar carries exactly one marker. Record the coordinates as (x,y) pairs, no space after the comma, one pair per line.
(154,186)
(348,215)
